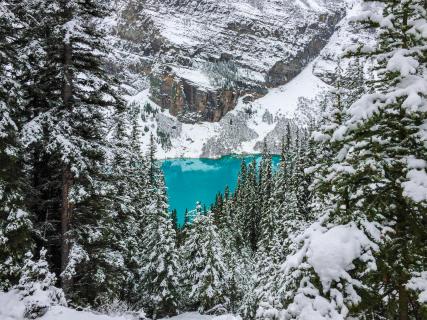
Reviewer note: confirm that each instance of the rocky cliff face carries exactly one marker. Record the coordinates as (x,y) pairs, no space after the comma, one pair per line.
(192,80)
(202,55)
(190,101)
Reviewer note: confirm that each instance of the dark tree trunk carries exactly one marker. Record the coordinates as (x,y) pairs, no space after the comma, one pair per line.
(403,303)
(66,211)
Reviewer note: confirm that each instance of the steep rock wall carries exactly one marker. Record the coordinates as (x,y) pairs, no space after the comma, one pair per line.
(266,44)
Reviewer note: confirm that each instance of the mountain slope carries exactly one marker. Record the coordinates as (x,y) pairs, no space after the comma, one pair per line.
(201,56)
(243,129)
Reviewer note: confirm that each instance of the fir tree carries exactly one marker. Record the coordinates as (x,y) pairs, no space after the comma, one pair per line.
(160,271)
(37,286)
(395,144)
(267,224)
(250,210)
(370,185)
(304,178)
(68,97)
(206,276)
(16,226)
(129,197)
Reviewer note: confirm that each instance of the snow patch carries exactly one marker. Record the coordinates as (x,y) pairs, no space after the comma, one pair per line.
(332,253)
(12,307)
(419,283)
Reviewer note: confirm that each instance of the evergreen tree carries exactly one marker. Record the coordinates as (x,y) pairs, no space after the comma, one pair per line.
(174,218)
(306,158)
(267,223)
(250,209)
(370,186)
(68,97)
(206,276)
(37,286)
(16,226)
(393,133)
(186,218)
(129,197)
(160,272)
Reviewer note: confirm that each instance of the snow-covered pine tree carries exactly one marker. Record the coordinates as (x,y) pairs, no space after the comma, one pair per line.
(306,158)
(160,261)
(69,96)
(15,220)
(37,286)
(266,256)
(237,203)
(237,255)
(205,272)
(372,192)
(284,171)
(250,201)
(266,215)
(298,292)
(391,122)
(151,161)
(217,210)
(286,222)
(128,197)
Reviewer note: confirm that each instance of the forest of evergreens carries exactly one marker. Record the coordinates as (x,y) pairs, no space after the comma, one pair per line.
(338,231)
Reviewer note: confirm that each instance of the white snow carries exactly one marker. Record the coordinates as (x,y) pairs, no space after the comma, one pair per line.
(332,253)
(403,64)
(416,186)
(195,76)
(64,313)
(192,140)
(419,283)
(13,304)
(12,307)
(281,102)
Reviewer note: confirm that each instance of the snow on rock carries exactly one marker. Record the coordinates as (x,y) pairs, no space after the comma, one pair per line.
(196,76)
(257,34)
(243,130)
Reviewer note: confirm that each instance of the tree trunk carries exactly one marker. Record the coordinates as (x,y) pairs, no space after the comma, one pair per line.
(66,211)
(403,303)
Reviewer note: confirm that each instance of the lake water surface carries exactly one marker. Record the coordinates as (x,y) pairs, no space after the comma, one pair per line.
(192,180)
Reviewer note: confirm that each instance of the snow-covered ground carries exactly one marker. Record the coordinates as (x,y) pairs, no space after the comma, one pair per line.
(12,307)
(242,130)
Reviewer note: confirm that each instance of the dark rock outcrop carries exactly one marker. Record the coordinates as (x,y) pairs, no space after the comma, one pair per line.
(189,102)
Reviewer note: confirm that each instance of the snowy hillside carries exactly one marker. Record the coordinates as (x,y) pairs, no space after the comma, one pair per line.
(243,129)
(199,57)
(255,34)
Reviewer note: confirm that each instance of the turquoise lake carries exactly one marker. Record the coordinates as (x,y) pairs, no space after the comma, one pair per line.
(191,180)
